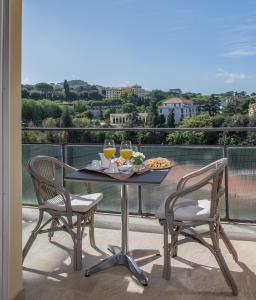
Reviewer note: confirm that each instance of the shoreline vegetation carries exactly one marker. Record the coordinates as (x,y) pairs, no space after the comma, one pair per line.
(77,104)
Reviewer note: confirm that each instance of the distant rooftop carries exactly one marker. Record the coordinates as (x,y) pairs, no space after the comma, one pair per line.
(177,100)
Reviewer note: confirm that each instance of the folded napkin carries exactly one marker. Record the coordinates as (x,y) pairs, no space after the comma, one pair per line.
(118,176)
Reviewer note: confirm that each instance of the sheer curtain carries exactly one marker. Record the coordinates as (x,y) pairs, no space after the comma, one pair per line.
(4,207)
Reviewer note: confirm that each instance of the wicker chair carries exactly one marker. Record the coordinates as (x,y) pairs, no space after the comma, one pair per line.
(180,217)
(68,212)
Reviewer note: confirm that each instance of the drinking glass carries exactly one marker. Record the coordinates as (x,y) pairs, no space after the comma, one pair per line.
(126,150)
(109,148)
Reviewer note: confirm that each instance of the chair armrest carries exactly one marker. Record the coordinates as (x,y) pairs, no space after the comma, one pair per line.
(58,189)
(172,199)
(67,167)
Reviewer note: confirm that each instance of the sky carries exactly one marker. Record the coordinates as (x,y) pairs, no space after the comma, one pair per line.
(195,45)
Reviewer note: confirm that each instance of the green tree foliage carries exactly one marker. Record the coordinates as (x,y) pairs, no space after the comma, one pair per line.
(133,121)
(199,121)
(66,119)
(237,104)
(49,123)
(66,89)
(80,106)
(31,111)
(50,109)
(161,120)
(25,93)
(46,89)
(107,112)
(129,108)
(152,120)
(36,95)
(158,95)
(81,122)
(171,119)
(212,105)
(131,97)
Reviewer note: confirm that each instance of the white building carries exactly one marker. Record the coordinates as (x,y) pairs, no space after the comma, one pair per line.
(181,107)
(114,92)
(252,109)
(121,118)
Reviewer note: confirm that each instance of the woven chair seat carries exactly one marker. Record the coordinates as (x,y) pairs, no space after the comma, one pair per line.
(188,210)
(79,203)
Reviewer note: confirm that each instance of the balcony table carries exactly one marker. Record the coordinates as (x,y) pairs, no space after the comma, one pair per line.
(122,255)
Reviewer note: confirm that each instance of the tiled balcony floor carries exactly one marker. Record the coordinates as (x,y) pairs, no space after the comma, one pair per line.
(48,273)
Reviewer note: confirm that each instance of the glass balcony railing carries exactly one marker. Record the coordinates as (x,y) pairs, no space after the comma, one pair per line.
(238,204)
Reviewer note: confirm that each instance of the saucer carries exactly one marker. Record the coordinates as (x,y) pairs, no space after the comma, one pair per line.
(94,168)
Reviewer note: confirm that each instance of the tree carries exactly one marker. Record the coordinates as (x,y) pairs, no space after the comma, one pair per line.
(129,108)
(94,95)
(50,109)
(31,111)
(24,93)
(212,105)
(133,120)
(88,114)
(66,119)
(81,122)
(36,95)
(131,97)
(187,137)
(49,123)
(158,95)
(161,120)
(107,112)
(237,105)
(45,88)
(171,119)
(66,89)
(152,120)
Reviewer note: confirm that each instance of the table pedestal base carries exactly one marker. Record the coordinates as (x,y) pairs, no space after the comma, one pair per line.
(127,260)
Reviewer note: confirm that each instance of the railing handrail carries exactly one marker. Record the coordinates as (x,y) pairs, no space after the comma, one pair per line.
(142,129)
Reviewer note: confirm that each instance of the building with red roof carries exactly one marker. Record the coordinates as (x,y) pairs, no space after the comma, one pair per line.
(181,107)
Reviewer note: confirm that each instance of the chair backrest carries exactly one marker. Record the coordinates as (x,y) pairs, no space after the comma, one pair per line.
(43,172)
(211,174)
(218,189)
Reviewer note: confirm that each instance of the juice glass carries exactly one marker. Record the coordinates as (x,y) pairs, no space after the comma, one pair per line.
(109,148)
(126,150)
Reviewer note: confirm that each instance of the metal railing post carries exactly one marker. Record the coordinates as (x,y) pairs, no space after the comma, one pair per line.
(64,158)
(139,192)
(226,186)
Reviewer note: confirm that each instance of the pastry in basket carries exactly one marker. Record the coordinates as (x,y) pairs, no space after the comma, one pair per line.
(158,163)
(119,161)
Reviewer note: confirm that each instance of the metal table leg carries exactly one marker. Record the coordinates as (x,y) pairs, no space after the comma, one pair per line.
(122,256)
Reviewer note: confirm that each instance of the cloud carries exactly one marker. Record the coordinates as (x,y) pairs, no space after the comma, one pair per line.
(230,77)
(26,80)
(240,53)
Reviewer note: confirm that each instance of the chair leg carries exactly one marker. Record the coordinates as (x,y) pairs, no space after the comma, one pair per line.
(78,246)
(228,244)
(167,258)
(174,249)
(91,232)
(51,232)
(222,263)
(33,235)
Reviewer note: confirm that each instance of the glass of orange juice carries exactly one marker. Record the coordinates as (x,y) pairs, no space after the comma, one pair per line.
(126,150)
(109,148)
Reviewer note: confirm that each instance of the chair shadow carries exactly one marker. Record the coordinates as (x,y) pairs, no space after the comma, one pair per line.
(208,276)
(198,281)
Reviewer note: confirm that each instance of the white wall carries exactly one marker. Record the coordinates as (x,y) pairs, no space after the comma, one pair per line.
(10,160)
